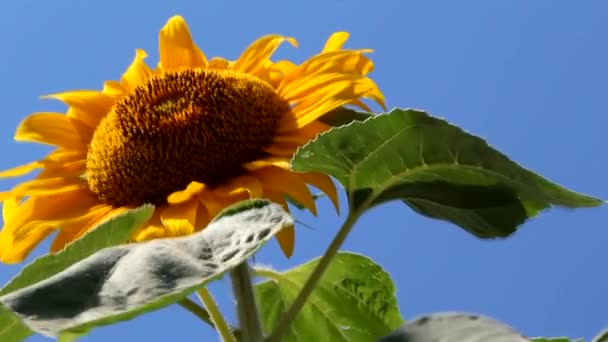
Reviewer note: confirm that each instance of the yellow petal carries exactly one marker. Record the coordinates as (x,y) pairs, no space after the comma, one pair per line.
(277,180)
(279,149)
(323,183)
(276,197)
(177,48)
(13,252)
(284,67)
(52,207)
(279,70)
(75,169)
(352,62)
(73,229)
(150,233)
(60,160)
(181,196)
(21,170)
(178,227)
(360,104)
(282,163)
(243,184)
(48,186)
(219,63)
(65,236)
(9,208)
(302,135)
(35,218)
(89,106)
(202,217)
(64,163)
(62,156)
(286,238)
(344,62)
(54,129)
(138,72)
(183,211)
(152,229)
(82,116)
(325,100)
(316,86)
(215,204)
(113,89)
(259,52)
(335,41)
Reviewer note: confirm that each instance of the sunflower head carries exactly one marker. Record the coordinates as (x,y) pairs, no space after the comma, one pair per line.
(191,135)
(181,126)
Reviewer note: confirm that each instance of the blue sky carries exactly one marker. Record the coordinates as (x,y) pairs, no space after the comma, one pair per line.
(529,76)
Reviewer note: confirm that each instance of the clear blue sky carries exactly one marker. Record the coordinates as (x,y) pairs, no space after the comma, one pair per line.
(529,76)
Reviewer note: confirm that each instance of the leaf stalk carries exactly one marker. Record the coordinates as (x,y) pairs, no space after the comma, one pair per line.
(246,306)
(222,327)
(315,277)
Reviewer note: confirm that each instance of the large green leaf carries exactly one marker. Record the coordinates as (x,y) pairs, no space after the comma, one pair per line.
(454,327)
(115,231)
(460,327)
(602,336)
(122,282)
(354,301)
(555,339)
(112,232)
(437,169)
(343,116)
(12,329)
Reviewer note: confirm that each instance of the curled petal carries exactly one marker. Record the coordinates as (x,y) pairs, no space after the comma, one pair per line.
(183,211)
(138,72)
(54,129)
(335,41)
(259,52)
(193,189)
(90,105)
(177,49)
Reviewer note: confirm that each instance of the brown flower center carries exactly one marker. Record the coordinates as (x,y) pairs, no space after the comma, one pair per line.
(178,127)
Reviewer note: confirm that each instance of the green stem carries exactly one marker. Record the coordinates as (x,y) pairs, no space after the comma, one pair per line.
(246,306)
(196,310)
(266,273)
(314,278)
(216,316)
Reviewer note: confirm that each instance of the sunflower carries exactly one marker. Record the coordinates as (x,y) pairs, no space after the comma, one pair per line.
(191,136)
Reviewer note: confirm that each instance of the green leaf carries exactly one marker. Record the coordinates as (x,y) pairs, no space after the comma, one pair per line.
(601,337)
(12,329)
(112,232)
(70,336)
(115,231)
(454,327)
(121,282)
(555,339)
(343,116)
(301,206)
(354,301)
(437,169)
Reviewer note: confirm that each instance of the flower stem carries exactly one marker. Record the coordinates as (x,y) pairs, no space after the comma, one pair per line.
(196,310)
(314,278)
(246,306)
(216,316)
